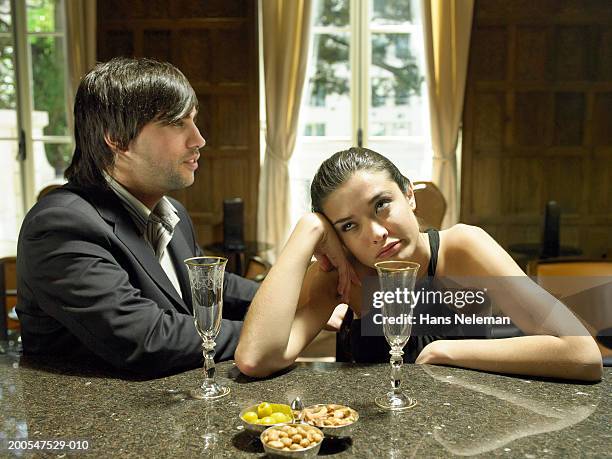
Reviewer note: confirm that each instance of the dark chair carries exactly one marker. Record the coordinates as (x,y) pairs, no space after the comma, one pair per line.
(8,295)
(3,315)
(569,277)
(551,232)
(549,245)
(233,224)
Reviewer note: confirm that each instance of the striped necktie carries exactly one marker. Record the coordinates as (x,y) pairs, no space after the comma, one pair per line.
(160,227)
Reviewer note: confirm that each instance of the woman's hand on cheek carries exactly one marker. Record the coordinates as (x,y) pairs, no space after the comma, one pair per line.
(436,352)
(331,255)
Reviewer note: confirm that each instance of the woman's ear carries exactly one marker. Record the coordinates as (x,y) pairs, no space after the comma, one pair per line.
(410,197)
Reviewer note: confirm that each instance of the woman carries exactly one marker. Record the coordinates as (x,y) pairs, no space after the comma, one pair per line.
(364,206)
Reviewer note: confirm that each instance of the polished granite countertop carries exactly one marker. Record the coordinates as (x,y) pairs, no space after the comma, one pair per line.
(459,412)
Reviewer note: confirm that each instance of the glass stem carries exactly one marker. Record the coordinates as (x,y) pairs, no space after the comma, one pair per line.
(208,350)
(396,361)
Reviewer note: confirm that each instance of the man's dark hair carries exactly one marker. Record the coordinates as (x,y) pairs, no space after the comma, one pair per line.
(116,99)
(339,167)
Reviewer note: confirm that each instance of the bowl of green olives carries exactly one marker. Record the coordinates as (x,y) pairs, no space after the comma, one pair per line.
(258,418)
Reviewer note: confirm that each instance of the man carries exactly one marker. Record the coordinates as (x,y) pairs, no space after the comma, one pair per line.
(100,260)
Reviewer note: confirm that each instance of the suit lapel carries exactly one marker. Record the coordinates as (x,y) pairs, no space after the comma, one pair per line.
(111,209)
(179,251)
(126,231)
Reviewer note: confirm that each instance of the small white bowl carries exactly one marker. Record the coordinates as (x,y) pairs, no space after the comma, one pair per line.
(308,452)
(334,431)
(258,428)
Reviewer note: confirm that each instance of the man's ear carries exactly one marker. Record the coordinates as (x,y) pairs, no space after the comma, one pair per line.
(410,197)
(113,145)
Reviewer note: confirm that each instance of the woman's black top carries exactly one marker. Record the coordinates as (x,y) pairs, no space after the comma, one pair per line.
(351,346)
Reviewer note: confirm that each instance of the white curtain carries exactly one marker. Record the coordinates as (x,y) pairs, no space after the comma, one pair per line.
(286,32)
(447,26)
(81,44)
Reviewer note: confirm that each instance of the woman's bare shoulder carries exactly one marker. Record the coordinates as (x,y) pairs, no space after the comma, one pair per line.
(461,237)
(470,250)
(462,249)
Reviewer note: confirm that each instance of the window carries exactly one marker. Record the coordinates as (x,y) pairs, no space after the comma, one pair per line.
(365,85)
(35,141)
(317,129)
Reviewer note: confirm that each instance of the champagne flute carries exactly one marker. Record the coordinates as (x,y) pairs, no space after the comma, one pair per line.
(398,278)
(206,280)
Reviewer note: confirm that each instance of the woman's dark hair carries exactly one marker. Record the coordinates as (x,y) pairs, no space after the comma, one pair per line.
(116,99)
(339,167)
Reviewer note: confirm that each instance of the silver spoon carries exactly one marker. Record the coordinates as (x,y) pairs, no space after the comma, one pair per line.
(298,405)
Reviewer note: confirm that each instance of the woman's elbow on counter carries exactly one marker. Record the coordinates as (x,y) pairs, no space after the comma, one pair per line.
(588,358)
(252,365)
(594,368)
(247,364)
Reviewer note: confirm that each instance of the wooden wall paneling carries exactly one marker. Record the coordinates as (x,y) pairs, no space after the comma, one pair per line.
(194,55)
(602,110)
(570,235)
(594,237)
(115,42)
(215,44)
(522,187)
(234,40)
(564,179)
(569,113)
(209,8)
(536,121)
(603,70)
(486,199)
(600,191)
(490,44)
(206,121)
(571,53)
(157,44)
(533,111)
(531,46)
(489,121)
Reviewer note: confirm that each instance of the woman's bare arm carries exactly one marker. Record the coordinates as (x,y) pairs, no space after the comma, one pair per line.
(294,302)
(559,347)
(566,357)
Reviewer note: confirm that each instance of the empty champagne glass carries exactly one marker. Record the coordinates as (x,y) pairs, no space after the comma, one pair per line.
(398,278)
(206,280)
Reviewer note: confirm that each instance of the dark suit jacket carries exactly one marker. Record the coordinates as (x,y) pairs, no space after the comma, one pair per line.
(88,283)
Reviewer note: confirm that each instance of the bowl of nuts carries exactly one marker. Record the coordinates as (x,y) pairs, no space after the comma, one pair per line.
(334,420)
(258,418)
(292,440)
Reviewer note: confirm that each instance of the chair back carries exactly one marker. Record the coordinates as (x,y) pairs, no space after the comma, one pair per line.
(46,190)
(257,268)
(233,224)
(430,204)
(585,286)
(551,233)
(8,294)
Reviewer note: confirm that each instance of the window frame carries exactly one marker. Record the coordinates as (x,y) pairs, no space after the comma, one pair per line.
(360,29)
(24,72)
(24,105)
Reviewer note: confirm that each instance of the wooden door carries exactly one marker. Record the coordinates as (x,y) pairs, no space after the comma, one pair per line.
(214,43)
